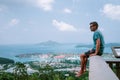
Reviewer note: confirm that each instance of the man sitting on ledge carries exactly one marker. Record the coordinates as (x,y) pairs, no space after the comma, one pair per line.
(97,49)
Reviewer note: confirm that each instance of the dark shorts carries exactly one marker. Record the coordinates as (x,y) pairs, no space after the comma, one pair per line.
(92,52)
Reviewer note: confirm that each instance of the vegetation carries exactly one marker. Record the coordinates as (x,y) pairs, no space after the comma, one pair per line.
(44,73)
(6,61)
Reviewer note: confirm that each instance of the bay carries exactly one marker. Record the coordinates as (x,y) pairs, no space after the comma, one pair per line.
(10,51)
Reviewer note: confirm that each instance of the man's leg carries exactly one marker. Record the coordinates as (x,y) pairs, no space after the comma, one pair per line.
(83,59)
(86,59)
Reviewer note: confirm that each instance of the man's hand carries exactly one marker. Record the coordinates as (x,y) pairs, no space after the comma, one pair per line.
(94,54)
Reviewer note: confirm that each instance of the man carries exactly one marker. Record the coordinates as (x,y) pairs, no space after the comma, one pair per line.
(97,49)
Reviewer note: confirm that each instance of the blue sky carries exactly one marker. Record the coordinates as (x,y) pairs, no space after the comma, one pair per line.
(65,21)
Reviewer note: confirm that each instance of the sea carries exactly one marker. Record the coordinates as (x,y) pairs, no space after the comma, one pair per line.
(11,51)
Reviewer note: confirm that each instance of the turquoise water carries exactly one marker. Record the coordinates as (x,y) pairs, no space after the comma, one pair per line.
(10,51)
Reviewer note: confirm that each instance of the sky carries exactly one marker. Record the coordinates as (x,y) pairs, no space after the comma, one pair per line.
(64,21)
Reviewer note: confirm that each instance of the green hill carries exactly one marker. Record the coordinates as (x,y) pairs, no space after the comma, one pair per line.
(5,60)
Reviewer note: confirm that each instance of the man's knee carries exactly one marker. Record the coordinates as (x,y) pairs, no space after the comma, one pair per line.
(82,55)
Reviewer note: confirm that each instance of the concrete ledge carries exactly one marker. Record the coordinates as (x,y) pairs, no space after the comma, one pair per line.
(99,70)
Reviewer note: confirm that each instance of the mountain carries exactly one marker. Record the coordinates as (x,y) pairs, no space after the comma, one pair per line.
(49,43)
(5,60)
(112,44)
(90,45)
(84,45)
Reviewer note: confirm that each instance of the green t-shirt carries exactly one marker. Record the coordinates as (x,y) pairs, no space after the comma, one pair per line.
(98,35)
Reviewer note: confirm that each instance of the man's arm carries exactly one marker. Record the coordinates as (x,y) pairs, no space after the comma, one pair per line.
(97,47)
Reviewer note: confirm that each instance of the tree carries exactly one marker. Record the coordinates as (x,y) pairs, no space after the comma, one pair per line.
(20,71)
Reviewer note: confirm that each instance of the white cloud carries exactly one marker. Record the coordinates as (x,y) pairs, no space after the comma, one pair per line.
(101,29)
(14,22)
(46,5)
(62,26)
(66,10)
(112,11)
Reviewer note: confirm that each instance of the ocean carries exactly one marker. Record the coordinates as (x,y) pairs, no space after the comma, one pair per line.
(10,51)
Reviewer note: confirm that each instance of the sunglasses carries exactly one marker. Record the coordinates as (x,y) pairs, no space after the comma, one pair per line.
(92,26)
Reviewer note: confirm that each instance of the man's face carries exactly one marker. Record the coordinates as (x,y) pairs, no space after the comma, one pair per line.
(93,27)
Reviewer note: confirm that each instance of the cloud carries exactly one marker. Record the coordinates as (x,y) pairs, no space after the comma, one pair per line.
(66,10)
(101,29)
(46,5)
(62,26)
(14,22)
(112,11)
